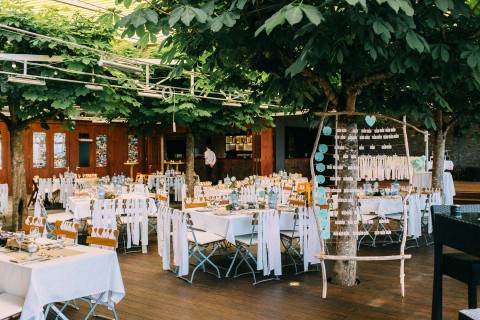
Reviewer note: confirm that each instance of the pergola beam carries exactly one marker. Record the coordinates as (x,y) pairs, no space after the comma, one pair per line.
(29,57)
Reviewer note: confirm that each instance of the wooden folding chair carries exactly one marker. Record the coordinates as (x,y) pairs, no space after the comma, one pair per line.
(30,222)
(69,234)
(200,203)
(100,241)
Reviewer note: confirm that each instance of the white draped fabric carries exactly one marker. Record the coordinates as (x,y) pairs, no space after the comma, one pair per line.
(3,198)
(164,221)
(382,167)
(414,220)
(268,252)
(308,237)
(180,242)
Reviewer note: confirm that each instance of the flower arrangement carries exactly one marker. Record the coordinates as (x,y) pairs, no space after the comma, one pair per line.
(110,195)
(418,163)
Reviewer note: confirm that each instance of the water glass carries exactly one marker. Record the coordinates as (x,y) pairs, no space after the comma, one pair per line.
(61,238)
(19,237)
(34,233)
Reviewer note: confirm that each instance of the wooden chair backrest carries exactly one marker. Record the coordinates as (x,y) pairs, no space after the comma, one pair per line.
(161,198)
(139,175)
(192,204)
(67,233)
(103,241)
(41,221)
(195,205)
(296,202)
(304,187)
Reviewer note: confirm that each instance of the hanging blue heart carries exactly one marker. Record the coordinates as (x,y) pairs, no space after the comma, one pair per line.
(321,200)
(327,130)
(320,191)
(319,156)
(375,185)
(320,167)
(322,148)
(320,179)
(370,120)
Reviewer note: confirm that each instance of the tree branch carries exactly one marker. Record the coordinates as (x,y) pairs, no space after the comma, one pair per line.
(450,124)
(49,115)
(368,80)
(325,84)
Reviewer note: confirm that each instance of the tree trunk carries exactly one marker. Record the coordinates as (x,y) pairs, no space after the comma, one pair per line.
(438,152)
(19,187)
(344,272)
(189,164)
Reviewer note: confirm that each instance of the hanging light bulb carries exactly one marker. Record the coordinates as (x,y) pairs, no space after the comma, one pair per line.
(14,65)
(55,72)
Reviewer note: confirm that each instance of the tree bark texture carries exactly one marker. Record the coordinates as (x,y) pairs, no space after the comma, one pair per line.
(344,272)
(19,186)
(189,164)
(438,152)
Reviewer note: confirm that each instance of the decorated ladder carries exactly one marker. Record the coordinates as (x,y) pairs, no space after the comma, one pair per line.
(346,144)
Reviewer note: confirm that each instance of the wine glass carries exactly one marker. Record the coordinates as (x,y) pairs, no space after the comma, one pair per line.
(215,202)
(19,236)
(34,233)
(61,239)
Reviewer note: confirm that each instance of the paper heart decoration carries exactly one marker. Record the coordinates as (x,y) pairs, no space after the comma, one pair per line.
(327,130)
(370,120)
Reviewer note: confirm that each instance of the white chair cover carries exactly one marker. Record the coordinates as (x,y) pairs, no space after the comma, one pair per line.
(180,242)
(164,222)
(308,237)
(136,220)
(268,254)
(3,198)
(414,220)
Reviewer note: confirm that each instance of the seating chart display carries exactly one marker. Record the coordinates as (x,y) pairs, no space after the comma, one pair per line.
(348,213)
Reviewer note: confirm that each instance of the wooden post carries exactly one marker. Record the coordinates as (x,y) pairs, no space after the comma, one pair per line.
(162,154)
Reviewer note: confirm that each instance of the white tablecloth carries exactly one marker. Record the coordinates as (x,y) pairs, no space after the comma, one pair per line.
(62,279)
(424,180)
(232,225)
(447,165)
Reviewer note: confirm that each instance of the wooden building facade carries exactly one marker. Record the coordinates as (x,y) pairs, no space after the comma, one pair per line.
(104,148)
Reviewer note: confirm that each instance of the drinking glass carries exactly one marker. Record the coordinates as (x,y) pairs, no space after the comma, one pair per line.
(34,233)
(61,239)
(19,236)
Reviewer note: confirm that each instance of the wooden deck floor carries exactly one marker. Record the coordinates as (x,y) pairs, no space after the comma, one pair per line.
(152,293)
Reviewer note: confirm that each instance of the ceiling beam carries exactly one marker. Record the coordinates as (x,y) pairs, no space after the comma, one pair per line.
(30,57)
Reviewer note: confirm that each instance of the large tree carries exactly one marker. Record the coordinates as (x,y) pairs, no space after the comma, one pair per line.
(57,99)
(299,55)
